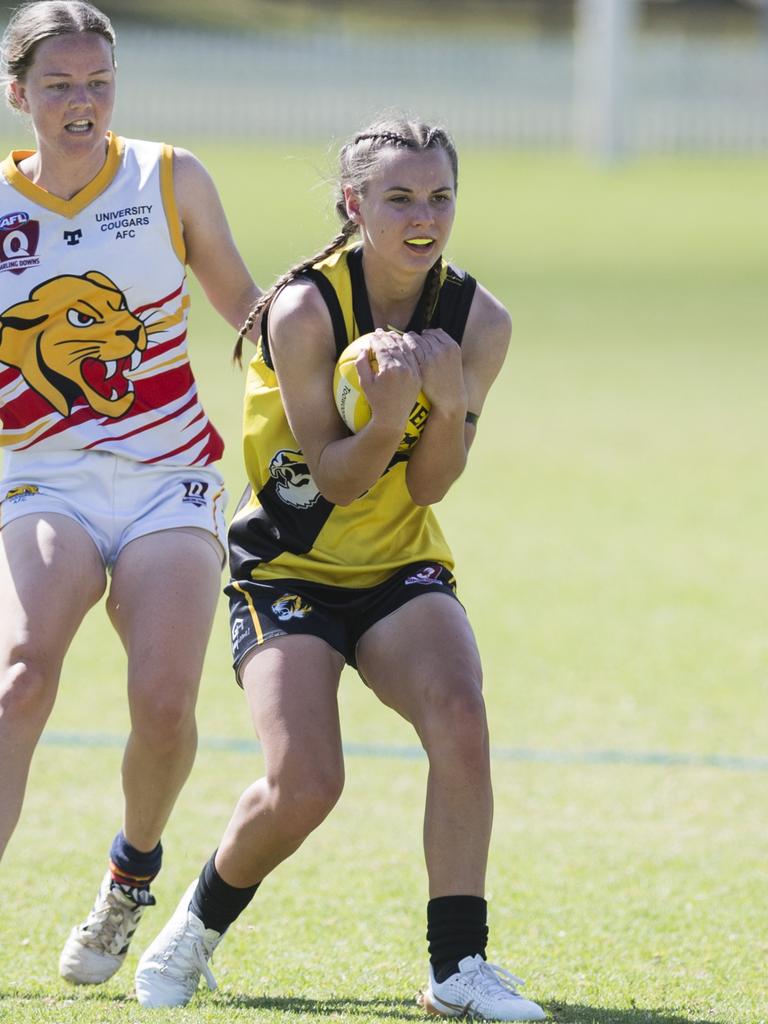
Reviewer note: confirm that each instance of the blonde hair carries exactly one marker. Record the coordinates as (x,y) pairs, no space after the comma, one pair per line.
(358,159)
(43,19)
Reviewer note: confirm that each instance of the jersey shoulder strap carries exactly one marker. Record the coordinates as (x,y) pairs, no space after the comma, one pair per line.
(454,302)
(331,300)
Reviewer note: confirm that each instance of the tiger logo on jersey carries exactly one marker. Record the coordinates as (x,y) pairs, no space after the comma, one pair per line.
(294,483)
(291,606)
(75,338)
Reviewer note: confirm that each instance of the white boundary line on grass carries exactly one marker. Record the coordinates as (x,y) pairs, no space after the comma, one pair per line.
(732,762)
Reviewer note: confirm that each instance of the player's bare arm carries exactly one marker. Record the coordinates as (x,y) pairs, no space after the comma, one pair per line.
(303,353)
(456,380)
(484,349)
(211,251)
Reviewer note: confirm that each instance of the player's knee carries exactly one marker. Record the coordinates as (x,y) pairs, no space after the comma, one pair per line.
(457,726)
(164,720)
(27,691)
(307,801)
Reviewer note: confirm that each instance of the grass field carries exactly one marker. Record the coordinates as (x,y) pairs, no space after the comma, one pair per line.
(610,534)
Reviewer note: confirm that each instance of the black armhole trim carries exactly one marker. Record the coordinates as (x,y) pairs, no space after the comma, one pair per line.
(454,303)
(464,305)
(264,335)
(361,307)
(331,300)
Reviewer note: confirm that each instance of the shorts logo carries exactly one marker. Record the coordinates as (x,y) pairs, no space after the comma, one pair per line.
(195,491)
(291,606)
(426,576)
(73,237)
(238,632)
(18,242)
(295,485)
(21,493)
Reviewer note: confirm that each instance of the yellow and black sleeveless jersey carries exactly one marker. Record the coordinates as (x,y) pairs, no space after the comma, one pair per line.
(284,527)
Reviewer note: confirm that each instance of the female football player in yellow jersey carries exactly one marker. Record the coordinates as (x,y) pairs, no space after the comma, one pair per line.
(109,479)
(336,556)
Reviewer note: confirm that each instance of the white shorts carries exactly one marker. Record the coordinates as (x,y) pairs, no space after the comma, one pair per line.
(114,499)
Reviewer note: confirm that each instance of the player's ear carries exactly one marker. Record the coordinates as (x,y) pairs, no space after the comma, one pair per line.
(17,95)
(352,202)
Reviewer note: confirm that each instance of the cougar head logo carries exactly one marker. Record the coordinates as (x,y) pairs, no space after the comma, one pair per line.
(75,338)
(291,606)
(295,485)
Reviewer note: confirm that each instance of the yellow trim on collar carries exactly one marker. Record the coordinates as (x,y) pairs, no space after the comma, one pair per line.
(64,207)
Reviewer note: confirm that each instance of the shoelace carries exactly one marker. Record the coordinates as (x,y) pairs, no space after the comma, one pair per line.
(141,897)
(494,976)
(113,920)
(191,960)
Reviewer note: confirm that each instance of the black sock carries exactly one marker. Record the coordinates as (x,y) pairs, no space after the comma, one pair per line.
(216,902)
(456,927)
(132,867)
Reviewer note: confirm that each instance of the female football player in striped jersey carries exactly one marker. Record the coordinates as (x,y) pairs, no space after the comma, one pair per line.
(109,478)
(336,557)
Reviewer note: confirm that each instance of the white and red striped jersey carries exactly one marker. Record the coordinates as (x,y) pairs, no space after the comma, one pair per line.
(93,315)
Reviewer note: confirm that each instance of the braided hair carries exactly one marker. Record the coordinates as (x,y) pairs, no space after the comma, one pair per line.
(358,159)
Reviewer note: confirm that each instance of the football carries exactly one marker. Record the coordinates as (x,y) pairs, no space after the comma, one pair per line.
(353,405)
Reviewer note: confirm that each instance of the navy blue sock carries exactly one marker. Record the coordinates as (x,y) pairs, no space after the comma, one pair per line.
(456,927)
(216,902)
(132,867)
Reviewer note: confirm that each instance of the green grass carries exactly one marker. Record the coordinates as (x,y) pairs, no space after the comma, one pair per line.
(610,538)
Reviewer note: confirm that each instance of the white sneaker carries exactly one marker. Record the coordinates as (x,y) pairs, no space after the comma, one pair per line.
(97,948)
(169,971)
(479,989)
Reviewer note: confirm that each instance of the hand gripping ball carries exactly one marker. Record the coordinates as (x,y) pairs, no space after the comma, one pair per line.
(353,405)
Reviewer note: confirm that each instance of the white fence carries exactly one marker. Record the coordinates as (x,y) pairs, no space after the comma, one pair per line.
(682,93)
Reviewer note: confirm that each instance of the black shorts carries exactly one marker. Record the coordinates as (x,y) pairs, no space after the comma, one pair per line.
(260,611)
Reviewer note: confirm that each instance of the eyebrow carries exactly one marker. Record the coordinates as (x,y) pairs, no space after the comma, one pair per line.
(404,188)
(66,74)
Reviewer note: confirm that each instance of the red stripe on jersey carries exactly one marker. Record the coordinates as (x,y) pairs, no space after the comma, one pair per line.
(22,412)
(169,386)
(159,302)
(29,407)
(8,376)
(213,450)
(82,414)
(142,428)
(154,393)
(158,348)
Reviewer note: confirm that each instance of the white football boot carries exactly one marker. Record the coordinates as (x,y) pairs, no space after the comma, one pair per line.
(169,971)
(480,990)
(97,948)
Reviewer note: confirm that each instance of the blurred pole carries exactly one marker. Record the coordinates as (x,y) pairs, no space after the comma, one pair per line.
(604,30)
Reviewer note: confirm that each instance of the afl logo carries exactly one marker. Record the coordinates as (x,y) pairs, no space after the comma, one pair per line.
(12,220)
(18,242)
(291,606)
